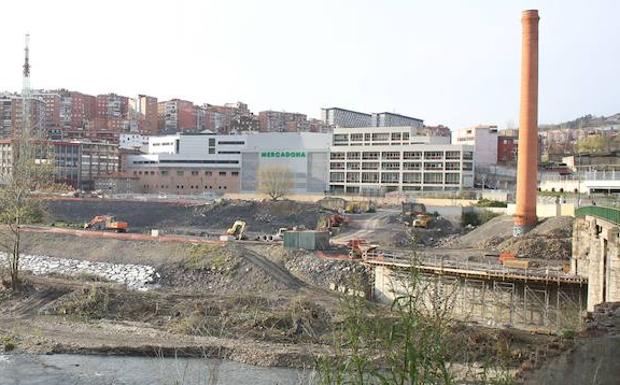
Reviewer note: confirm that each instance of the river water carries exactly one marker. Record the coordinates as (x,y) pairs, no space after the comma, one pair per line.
(64,369)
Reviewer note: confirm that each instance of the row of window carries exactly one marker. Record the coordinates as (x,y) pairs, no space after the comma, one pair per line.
(182,173)
(181,187)
(394,177)
(397,155)
(375,137)
(467,166)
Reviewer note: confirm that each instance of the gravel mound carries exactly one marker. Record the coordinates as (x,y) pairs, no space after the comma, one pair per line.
(552,239)
(489,234)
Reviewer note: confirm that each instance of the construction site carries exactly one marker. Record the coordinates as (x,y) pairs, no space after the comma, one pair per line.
(263,281)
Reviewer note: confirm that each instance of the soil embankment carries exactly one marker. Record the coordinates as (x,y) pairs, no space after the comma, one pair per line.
(260,216)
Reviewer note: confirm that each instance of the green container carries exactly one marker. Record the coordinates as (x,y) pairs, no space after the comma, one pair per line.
(307,240)
(291,239)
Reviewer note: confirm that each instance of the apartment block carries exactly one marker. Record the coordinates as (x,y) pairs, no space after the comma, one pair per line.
(507,146)
(36,118)
(230,118)
(51,100)
(76,111)
(280,121)
(177,116)
(143,115)
(375,160)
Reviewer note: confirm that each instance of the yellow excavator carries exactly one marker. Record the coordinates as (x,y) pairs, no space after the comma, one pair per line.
(237,230)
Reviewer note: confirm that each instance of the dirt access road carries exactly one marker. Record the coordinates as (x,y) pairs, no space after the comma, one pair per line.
(371,226)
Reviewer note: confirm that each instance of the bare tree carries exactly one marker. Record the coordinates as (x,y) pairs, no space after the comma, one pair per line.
(31,171)
(275,181)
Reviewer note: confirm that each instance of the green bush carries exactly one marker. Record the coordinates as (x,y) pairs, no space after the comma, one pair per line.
(490,203)
(477,218)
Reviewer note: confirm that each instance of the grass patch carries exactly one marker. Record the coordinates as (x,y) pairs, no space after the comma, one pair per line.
(213,257)
(490,203)
(8,343)
(93,303)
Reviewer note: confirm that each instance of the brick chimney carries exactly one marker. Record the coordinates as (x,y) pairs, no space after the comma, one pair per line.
(527,166)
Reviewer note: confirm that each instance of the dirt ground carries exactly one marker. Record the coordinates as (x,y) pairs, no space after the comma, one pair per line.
(264,216)
(551,239)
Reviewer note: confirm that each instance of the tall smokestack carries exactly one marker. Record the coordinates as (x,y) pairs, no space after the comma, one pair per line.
(527,166)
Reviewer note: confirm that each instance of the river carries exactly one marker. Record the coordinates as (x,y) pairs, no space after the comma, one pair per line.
(64,369)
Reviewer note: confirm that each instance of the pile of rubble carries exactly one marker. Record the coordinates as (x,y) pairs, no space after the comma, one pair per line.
(323,272)
(136,277)
(551,239)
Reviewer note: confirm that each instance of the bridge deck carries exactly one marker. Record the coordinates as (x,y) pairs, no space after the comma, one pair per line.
(478,270)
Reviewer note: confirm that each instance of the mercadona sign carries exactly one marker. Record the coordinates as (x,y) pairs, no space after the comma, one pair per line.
(282,154)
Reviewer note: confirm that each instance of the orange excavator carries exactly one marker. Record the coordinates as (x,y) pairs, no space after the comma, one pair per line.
(106,222)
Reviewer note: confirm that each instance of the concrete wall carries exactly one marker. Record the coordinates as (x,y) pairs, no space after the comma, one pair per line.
(491,303)
(548,210)
(596,255)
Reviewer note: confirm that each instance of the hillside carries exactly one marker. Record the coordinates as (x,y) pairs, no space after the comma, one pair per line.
(584,122)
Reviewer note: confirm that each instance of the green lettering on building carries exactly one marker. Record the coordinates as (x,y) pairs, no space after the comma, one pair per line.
(283,154)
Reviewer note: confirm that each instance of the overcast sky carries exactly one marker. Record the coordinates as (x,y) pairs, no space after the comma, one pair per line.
(449,62)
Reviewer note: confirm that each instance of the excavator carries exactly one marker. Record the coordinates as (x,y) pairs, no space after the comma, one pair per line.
(106,222)
(237,230)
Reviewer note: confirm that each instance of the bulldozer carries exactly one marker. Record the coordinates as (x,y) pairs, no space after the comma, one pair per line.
(107,223)
(237,230)
(421,221)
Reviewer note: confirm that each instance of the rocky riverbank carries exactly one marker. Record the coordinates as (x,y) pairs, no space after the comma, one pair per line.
(138,277)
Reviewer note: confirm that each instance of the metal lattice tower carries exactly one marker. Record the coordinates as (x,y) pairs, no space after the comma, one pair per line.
(26,91)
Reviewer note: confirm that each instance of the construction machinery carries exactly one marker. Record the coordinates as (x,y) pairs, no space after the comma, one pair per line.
(359,207)
(106,222)
(411,212)
(330,222)
(360,248)
(237,230)
(421,221)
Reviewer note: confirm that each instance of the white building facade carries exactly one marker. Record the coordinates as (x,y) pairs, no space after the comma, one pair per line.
(484,140)
(197,163)
(305,154)
(374,160)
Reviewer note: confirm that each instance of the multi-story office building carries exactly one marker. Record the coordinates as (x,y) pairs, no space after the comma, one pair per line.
(375,160)
(388,119)
(484,140)
(76,163)
(279,121)
(340,117)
